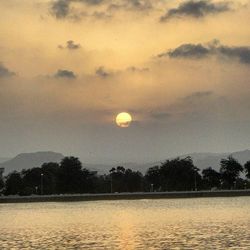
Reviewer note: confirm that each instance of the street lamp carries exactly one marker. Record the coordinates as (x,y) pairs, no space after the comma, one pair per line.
(195,178)
(111,183)
(195,182)
(41,183)
(152,187)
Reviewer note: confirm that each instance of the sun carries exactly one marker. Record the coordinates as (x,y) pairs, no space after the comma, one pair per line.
(123,119)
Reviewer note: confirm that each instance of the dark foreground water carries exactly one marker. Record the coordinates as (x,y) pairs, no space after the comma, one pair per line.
(205,223)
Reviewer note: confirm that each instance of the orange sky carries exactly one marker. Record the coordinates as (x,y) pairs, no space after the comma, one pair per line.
(69,66)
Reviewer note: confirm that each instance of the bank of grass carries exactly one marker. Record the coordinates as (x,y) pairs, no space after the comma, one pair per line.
(123,196)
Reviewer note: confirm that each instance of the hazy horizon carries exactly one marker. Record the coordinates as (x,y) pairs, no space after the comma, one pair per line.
(68,67)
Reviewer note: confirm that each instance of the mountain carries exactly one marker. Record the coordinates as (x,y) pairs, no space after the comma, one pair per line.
(204,160)
(29,160)
(201,160)
(3,159)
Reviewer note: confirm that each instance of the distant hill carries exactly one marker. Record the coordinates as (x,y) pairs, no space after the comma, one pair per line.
(30,160)
(3,159)
(201,160)
(204,160)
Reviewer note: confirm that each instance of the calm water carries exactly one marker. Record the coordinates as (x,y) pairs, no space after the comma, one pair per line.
(207,223)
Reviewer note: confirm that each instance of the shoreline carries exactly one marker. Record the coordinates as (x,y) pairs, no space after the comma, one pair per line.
(123,196)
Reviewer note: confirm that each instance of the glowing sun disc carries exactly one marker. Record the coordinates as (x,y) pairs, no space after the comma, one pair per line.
(123,119)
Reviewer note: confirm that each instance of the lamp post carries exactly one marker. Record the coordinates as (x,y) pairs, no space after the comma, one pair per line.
(195,178)
(41,183)
(195,182)
(111,183)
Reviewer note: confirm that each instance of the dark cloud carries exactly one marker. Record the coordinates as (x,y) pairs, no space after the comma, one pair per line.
(131,5)
(61,8)
(140,4)
(196,9)
(5,72)
(102,72)
(71,45)
(198,51)
(63,73)
(188,51)
(242,53)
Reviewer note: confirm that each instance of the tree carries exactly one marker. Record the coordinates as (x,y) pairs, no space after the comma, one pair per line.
(247,169)
(1,183)
(70,175)
(125,180)
(14,183)
(179,174)
(211,178)
(117,179)
(133,180)
(32,180)
(153,178)
(50,172)
(230,170)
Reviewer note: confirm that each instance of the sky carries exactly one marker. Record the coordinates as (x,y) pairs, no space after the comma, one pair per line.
(180,68)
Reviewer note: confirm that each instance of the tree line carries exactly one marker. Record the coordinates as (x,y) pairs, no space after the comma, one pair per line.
(69,177)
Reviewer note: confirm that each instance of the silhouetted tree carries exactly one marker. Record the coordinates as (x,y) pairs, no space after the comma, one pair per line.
(13,184)
(1,183)
(50,172)
(117,179)
(230,170)
(31,180)
(125,180)
(211,178)
(173,175)
(133,180)
(247,169)
(70,175)
(179,174)
(153,178)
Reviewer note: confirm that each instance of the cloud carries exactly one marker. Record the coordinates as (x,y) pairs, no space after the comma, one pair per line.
(65,9)
(199,51)
(242,53)
(188,51)
(140,4)
(71,45)
(5,72)
(102,72)
(63,73)
(136,69)
(197,95)
(61,8)
(131,5)
(101,15)
(160,115)
(196,9)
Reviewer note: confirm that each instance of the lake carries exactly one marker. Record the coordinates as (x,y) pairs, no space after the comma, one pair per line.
(201,223)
